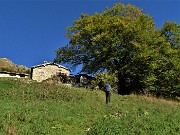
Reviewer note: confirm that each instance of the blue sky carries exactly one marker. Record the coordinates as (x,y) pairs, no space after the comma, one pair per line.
(31,30)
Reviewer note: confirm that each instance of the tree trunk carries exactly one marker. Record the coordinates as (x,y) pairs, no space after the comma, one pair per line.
(122,88)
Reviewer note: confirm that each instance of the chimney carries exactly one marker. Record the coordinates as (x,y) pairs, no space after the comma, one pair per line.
(45,62)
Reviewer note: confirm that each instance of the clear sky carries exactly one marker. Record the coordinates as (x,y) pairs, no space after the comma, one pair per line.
(31,30)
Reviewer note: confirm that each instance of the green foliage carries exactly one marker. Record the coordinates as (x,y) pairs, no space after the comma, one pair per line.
(123,41)
(33,108)
(163,79)
(171,32)
(105,41)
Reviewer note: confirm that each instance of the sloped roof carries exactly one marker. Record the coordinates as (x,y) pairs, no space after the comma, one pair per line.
(50,63)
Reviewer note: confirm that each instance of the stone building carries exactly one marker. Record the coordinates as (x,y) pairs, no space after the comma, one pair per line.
(13,74)
(82,80)
(48,70)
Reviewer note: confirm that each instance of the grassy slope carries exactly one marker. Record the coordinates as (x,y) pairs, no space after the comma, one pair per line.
(35,108)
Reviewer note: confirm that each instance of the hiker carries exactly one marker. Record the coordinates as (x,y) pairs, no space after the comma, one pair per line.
(108,92)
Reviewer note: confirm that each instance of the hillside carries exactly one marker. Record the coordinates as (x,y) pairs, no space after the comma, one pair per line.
(8,65)
(40,108)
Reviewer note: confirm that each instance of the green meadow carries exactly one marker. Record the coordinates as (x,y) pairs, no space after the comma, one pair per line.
(31,108)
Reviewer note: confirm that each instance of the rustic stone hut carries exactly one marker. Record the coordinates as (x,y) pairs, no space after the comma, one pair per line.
(48,70)
(13,74)
(83,80)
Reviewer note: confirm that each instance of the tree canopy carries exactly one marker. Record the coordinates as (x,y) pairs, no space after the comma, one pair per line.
(124,41)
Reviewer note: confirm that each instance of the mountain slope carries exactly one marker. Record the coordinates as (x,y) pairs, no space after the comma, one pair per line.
(8,65)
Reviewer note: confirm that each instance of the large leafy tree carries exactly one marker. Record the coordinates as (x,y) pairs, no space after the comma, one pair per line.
(165,67)
(121,40)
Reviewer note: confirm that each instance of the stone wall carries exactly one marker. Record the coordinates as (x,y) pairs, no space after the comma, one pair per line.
(45,72)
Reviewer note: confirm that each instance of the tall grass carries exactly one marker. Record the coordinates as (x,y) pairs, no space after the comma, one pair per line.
(39,108)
